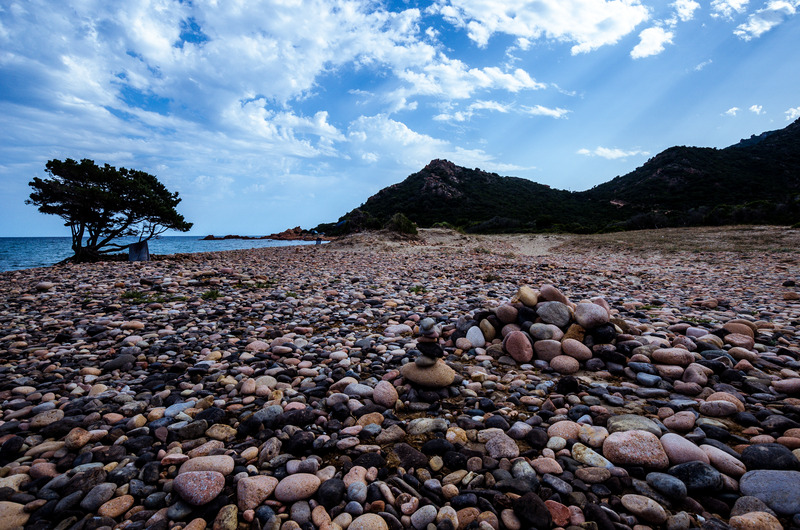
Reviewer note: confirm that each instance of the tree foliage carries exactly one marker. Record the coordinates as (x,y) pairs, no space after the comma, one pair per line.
(103,204)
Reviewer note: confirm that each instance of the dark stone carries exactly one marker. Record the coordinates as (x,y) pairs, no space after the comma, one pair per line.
(454,460)
(497,422)
(124,362)
(532,511)
(368,460)
(331,492)
(409,456)
(86,480)
(265,516)
(112,453)
(599,516)
(297,417)
(150,472)
(465,500)
(769,456)
(537,438)
(437,446)
(138,444)
(698,476)
(69,502)
(778,424)
(520,486)
(299,443)
(211,415)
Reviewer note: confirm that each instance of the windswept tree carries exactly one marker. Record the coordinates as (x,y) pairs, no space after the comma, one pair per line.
(102,204)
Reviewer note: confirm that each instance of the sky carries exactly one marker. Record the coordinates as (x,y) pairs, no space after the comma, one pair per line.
(270,114)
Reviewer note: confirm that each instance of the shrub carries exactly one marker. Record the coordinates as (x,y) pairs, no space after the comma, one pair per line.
(402,224)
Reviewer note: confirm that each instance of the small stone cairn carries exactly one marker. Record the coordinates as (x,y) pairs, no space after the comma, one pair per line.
(429,369)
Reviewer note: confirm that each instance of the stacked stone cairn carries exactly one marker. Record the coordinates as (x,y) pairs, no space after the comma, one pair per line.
(429,369)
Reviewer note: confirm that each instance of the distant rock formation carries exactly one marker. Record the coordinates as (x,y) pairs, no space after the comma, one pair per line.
(290,234)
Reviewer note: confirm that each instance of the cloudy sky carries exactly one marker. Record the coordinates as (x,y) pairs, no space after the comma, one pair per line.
(276,113)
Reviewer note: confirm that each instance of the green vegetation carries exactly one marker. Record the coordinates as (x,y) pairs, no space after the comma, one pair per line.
(102,204)
(211,294)
(402,224)
(756,181)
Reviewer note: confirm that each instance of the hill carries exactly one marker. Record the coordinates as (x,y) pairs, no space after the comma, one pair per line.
(754,181)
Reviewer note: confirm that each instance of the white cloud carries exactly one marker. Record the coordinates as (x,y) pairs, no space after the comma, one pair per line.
(651,42)
(765,19)
(589,24)
(702,65)
(470,111)
(410,149)
(792,114)
(756,109)
(685,9)
(539,110)
(453,79)
(731,111)
(611,153)
(728,8)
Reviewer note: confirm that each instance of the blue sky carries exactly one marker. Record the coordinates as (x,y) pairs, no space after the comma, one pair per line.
(266,115)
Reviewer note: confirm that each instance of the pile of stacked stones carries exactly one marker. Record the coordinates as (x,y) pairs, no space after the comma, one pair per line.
(482,421)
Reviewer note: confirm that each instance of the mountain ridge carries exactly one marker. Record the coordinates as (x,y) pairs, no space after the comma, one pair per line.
(754,180)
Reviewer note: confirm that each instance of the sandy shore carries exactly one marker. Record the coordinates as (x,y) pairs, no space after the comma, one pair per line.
(305,387)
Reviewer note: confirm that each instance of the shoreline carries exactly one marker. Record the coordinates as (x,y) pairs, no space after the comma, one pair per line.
(272,385)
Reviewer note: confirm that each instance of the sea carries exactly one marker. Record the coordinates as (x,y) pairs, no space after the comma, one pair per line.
(28,252)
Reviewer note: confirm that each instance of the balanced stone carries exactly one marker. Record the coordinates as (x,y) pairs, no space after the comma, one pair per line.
(437,376)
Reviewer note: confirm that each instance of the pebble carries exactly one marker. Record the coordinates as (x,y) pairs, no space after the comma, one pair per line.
(644,507)
(199,487)
(252,491)
(635,447)
(297,487)
(778,489)
(225,403)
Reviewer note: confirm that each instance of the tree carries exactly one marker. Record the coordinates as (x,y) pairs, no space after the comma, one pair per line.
(102,204)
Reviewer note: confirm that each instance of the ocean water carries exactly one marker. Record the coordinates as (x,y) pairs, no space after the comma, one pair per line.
(27,252)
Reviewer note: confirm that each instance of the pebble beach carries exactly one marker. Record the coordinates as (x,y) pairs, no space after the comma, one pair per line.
(625,381)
